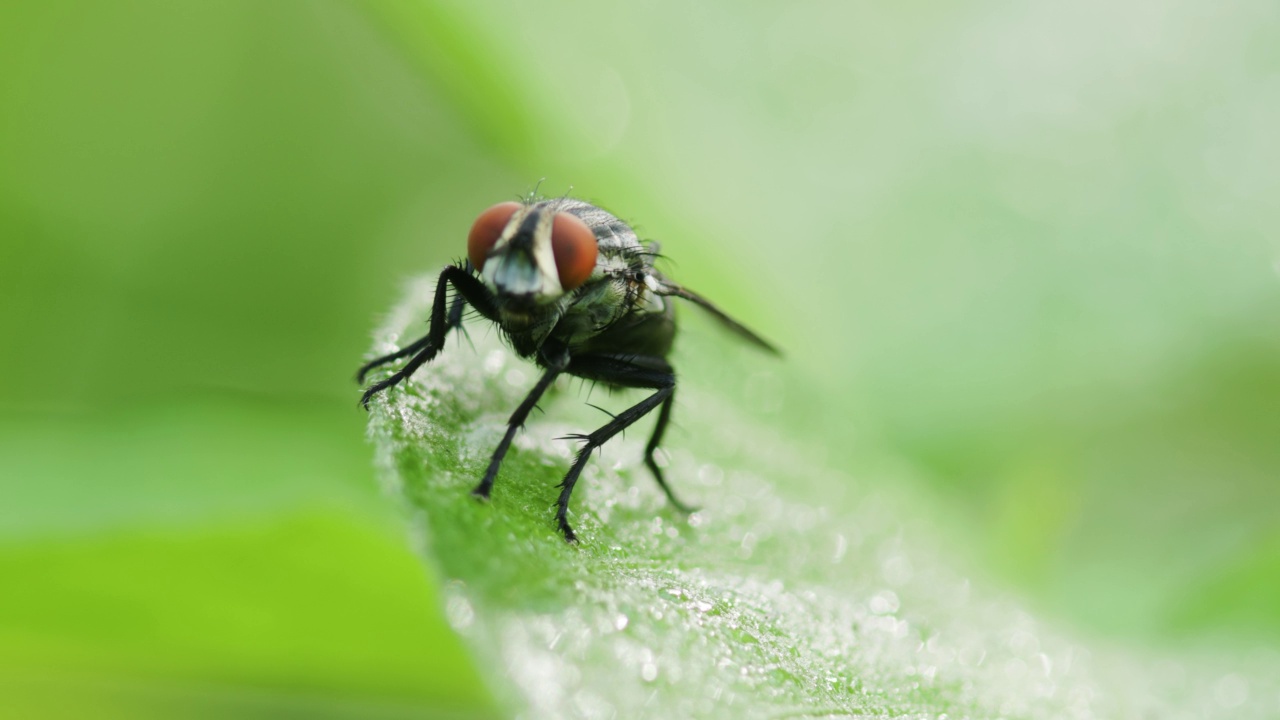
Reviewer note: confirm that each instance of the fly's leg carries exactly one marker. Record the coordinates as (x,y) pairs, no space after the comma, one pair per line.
(472,291)
(595,440)
(455,321)
(664,416)
(638,372)
(516,422)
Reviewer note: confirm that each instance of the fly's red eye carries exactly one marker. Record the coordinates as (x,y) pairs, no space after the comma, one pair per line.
(487,229)
(575,249)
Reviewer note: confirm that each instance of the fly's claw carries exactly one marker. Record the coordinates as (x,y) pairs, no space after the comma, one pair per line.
(378,387)
(567,531)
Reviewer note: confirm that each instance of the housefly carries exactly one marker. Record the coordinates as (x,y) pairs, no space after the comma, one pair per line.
(573,289)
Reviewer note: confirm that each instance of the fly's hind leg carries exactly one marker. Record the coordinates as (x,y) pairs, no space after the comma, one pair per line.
(664,416)
(625,371)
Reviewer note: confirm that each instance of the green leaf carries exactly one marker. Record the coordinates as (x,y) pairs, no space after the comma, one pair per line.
(796,589)
(306,614)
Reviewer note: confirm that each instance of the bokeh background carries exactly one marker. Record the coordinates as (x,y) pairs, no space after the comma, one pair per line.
(1028,249)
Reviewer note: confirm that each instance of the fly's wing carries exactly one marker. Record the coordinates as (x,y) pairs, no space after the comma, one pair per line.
(671,289)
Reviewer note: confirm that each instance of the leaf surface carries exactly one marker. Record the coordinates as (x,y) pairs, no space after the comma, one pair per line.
(795,590)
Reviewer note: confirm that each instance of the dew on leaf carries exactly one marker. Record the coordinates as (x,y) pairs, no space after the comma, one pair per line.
(762,604)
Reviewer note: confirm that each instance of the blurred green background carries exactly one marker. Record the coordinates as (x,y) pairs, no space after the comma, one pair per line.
(1029,249)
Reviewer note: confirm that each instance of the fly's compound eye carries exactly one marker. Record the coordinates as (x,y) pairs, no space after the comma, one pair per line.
(575,249)
(487,229)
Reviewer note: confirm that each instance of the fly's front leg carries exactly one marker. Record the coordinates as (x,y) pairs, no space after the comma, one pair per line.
(555,367)
(471,291)
(638,372)
(455,321)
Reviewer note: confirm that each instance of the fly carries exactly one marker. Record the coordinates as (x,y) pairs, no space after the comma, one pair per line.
(573,289)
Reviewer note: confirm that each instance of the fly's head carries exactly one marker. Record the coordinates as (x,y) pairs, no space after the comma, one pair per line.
(530,256)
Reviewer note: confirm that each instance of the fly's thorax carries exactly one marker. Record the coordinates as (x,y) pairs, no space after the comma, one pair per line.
(594,307)
(617,299)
